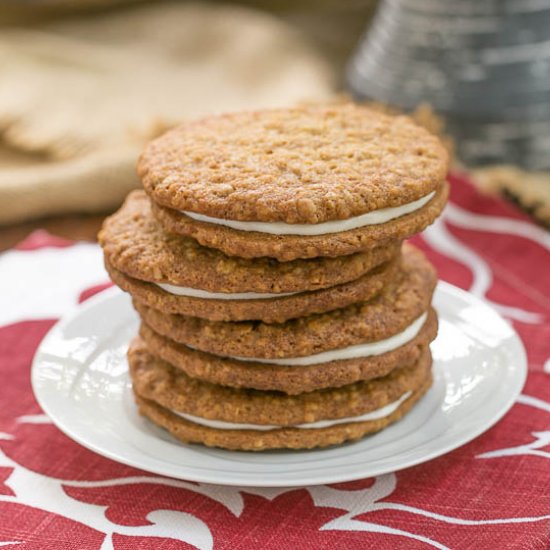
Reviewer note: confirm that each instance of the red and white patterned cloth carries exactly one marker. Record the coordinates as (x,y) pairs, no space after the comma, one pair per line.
(493,493)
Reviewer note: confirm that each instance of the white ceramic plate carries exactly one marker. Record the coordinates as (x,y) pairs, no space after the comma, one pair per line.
(80,379)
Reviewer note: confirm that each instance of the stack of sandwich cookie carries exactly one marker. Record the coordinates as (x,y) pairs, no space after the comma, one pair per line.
(279,307)
(253,420)
(175,274)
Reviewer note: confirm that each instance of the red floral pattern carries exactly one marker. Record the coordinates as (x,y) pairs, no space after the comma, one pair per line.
(490,493)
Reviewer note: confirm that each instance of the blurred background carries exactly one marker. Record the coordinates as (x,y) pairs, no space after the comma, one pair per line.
(85,83)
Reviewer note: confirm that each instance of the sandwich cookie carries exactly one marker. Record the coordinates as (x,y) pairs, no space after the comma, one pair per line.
(175,274)
(198,412)
(400,309)
(291,379)
(296,183)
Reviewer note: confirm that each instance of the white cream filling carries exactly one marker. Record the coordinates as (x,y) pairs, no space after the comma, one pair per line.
(280,228)
(222,425)
(351,352)
(197,293)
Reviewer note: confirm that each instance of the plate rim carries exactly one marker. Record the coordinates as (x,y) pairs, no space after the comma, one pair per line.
(240,479)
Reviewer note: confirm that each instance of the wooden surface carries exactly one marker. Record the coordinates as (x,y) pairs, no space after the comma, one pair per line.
(78,227)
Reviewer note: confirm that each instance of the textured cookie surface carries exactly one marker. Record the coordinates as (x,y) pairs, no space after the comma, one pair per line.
(401,302)
(283,438)
(271,310)
(252,244)
(303,165)
(161,389)
(135,244)
(159,381)
(288,379)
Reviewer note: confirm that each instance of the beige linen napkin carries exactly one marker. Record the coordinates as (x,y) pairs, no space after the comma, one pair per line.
(80,97)
(531,190)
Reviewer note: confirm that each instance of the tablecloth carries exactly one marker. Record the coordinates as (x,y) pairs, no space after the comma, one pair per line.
(492,493)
